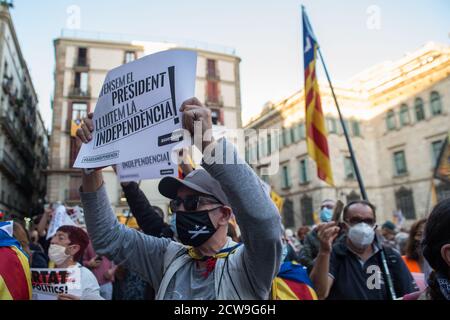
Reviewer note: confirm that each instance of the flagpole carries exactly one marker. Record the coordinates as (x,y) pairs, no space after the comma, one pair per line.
(386,272)
(347,138)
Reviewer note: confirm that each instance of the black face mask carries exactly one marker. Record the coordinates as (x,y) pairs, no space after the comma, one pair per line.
(194,227)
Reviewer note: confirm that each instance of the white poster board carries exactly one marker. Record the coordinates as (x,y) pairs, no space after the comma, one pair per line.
(47,284)
(138,111)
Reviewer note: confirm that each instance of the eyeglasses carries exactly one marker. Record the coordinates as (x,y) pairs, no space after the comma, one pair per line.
(191,203)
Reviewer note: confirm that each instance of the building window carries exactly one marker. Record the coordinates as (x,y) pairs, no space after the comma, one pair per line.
(82,57)
(215,116)
(265,178)
(356,129)
(400,163)
(348,168)
(294,134)
(81,83)
(420,112)
(404,115)
(307,211)
(332,125)
(269,144)
(301,130)
(303,168)
(211,68)
(262,148)
(130,56)
(390,120)
(212,92)
(287,136)
(79,110)
(405,203)
(436,148)
(288,213)
(435,101)
(286,178)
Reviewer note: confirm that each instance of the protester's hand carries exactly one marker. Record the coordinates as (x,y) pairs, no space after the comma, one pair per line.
(85,132)
(193,111)
(93,263)
(327,233)
(64,296)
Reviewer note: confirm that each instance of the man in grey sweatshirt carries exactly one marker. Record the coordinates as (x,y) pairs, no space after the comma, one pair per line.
(207,264)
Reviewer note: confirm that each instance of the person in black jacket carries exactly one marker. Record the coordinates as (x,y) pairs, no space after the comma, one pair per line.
(148,219)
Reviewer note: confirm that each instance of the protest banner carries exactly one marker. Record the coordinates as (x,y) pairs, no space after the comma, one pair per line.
(47,284)
(60,218)
(137,114)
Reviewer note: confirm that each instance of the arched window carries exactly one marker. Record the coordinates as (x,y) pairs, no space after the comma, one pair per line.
(390,120)
(404,115)
(435,102)
(418,107)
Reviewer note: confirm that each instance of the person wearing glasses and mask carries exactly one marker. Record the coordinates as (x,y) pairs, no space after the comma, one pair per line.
(206,264)
(351,269)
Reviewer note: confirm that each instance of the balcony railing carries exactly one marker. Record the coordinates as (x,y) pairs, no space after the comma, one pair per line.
(214,101)
(213,75)
(81,62)
(79,93)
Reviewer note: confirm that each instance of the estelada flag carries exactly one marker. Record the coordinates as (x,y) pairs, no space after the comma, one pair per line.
(316,132)
(292,283)
(15,275)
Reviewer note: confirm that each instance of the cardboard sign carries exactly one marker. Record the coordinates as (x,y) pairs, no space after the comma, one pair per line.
(137,118)
(47,284)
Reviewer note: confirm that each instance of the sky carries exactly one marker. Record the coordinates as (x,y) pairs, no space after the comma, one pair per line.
(266,35)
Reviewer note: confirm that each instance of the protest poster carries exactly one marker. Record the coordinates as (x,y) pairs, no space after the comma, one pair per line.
(141,170)
(47,284)
(137,113)
(60,218)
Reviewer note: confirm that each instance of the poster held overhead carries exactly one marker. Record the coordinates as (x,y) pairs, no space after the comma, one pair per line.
(138,111)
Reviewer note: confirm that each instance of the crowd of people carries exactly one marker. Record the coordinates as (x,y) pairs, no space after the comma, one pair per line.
(225,240)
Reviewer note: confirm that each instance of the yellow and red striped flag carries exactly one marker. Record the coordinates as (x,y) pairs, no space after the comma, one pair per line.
(15,274)
(316,133)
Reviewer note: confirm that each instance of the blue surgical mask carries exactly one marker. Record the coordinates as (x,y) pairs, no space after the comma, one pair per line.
(326,215)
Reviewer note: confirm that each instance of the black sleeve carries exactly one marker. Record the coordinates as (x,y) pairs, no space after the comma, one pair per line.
(401,277)
(147,218)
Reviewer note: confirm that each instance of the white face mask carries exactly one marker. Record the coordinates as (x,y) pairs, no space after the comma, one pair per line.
(57,254)
(361,235)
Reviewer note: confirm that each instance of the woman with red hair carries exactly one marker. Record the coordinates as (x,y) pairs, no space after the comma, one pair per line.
(66,248)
